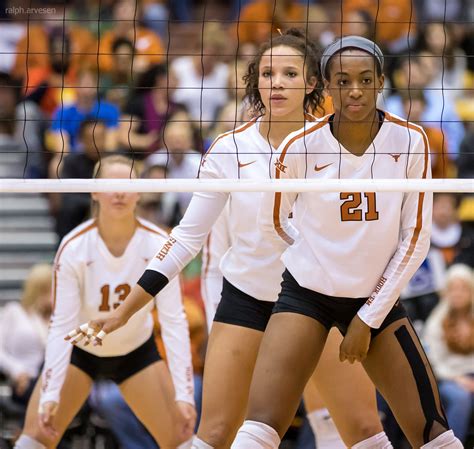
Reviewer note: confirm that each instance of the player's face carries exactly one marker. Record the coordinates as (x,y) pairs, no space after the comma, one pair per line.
(282,81)
(354,85)
(116,204)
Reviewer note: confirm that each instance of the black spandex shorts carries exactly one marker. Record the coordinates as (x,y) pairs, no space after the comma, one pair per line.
(117,368)
(328,310)
(240,309)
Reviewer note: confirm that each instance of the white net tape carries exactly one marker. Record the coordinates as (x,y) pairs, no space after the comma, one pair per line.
(235,185)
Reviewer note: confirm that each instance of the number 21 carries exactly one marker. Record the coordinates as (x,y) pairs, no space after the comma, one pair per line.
(350,210)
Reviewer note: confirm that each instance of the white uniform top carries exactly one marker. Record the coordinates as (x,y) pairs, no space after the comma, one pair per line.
(89,283)
(217,243)
(252,264)
(358,244)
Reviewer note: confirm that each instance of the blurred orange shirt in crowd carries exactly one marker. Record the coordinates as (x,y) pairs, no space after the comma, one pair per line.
(392,17)
(268,19)
(148,49)
(34,48)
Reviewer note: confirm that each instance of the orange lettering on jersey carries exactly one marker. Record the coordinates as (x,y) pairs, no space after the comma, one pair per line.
(280,166)
(46,378)
(377,289)
(166,248)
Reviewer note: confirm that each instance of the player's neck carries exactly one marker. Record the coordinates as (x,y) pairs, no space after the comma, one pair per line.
(276,129)
(356,137)
(117,233)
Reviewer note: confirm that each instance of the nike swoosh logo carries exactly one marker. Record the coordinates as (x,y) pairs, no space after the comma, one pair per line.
(316,168)
(89,263)
(241,165)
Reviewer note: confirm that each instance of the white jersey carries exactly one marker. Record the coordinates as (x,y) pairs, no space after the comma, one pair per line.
(353,244)
(217,243)
(252,264)
(89,283)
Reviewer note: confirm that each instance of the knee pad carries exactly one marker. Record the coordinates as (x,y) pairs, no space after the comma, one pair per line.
(446,440)
(199,444)
(26,442)
(324,429)
(256,435)
(379,441)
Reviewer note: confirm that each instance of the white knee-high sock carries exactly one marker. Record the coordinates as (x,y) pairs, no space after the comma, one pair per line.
(324,429)
(379,441)
(199,444)
(26,442)
(446,440)
(256,435)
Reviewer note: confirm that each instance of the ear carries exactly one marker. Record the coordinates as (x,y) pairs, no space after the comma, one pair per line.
(381,82)
(94,196)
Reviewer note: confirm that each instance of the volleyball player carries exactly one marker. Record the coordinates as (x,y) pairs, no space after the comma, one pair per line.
(95,267)
(281,86)
(347,266)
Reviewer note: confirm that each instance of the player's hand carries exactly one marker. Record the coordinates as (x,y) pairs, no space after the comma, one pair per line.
(95,330)
(21,383)
(355,345)
(186,420)
(46,416)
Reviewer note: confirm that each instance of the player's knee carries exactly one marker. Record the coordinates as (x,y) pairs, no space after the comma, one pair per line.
(218,433)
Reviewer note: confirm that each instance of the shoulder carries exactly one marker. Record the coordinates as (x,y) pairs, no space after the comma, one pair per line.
(228,138)
(12,309)
(311,130)
(151,230)
(406,129)
(72,241)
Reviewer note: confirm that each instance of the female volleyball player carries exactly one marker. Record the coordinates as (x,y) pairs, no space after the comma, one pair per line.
(347,265)
(95,267)
(281,86)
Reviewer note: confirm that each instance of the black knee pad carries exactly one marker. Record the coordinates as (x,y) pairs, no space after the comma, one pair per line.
(422,379)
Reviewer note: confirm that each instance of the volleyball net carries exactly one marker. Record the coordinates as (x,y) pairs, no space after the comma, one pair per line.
(158,81)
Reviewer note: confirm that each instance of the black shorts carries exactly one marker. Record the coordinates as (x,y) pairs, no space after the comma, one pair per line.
(328,310)
(240,309)
(117,368)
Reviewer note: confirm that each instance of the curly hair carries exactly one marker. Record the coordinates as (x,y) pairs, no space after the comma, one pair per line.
(296,39)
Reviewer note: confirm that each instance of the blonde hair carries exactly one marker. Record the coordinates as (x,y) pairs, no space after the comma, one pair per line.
(111,160)
(38,281)
(462,272)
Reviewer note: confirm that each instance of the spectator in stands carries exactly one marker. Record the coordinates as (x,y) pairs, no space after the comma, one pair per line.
(21,130)
(53,84)
(202,79)
(395,21)
(449,337)
(67,120)
(74,208)
(416,72)
(440,40)
(360,22)
(259,19)
(148,46)
(181,161)
(34,49)
(23,332)
(414,106)
(446,228)
(115,86)
(147,111)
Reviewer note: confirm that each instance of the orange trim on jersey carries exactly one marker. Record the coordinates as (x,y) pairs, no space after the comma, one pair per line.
(234,131)
(154,231)
(58,255)
(421,195)
(277,203)
(207,253)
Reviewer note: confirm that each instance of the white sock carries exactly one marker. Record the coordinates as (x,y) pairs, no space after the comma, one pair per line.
(256,435)
(324,429)
(187,444)
(379,441)
(26,442)
(446,440)
(199,444)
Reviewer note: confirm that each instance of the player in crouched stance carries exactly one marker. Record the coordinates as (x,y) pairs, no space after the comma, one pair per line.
(347,264)
(95,267)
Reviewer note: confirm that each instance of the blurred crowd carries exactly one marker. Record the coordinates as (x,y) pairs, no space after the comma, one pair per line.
(151,79)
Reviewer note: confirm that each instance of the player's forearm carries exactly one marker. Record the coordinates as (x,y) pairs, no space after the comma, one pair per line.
(140,294)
